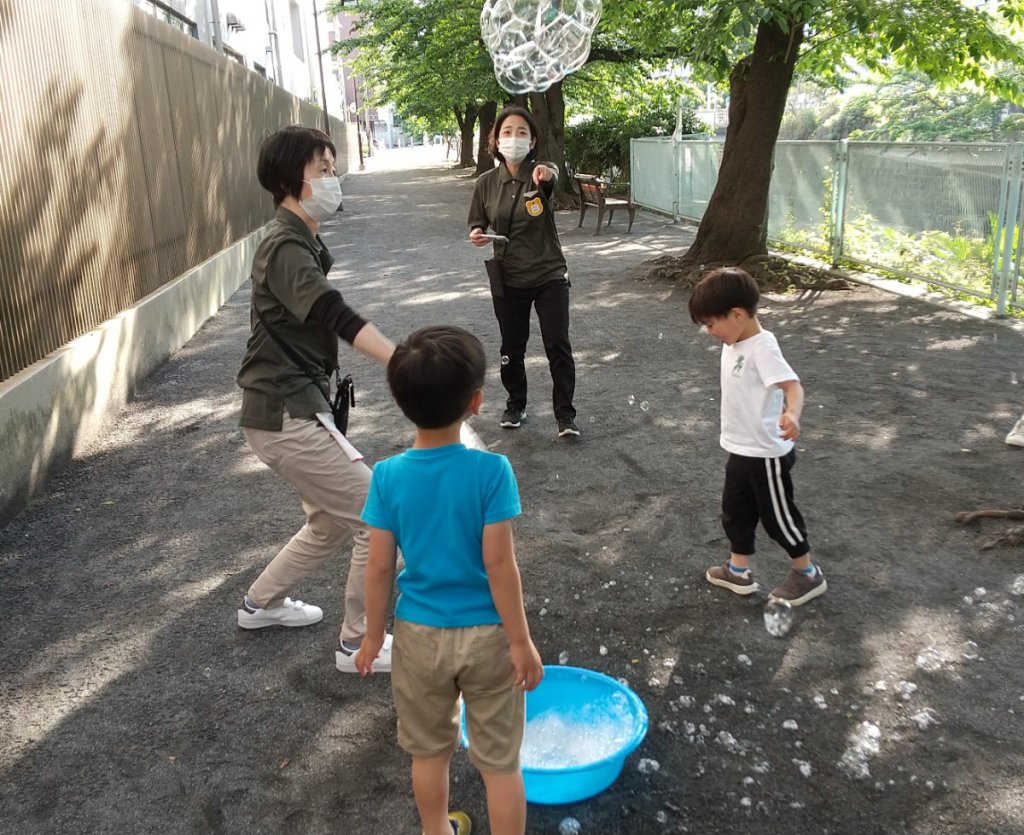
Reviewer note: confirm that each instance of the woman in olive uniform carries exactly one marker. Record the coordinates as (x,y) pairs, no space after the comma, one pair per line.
(515,200)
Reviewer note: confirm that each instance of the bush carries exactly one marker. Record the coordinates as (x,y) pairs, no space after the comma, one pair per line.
(601,145)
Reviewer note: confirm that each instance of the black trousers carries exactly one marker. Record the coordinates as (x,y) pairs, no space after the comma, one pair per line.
(513,314)
(760,489)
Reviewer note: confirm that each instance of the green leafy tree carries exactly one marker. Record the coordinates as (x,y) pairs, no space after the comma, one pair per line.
(613,103)
(908,106)
(425,57)
(759,45)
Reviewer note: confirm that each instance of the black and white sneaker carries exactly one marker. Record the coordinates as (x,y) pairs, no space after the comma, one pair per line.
(567,428)
(513,418)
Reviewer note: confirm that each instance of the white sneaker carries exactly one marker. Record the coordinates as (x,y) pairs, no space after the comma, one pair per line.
(345,661)
(289,613)
(1016,436)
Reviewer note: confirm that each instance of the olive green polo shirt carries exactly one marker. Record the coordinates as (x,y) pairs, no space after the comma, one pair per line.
(533,256)
(289,273)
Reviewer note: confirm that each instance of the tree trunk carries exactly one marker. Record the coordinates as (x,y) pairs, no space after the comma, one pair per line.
(548,109)
(484,160)
(735,224)
(467,129)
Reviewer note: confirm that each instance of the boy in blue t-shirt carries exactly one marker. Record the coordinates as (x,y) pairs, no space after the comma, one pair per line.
(460,625)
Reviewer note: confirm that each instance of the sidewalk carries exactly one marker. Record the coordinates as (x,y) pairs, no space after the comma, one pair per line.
(130,702)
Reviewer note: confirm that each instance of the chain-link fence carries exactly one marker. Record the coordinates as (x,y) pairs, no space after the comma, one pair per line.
(949,214)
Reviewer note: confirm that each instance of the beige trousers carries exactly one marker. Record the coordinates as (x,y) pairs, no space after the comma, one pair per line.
(333,490)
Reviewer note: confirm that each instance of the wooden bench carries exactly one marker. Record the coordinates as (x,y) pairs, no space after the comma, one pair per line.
(594,192)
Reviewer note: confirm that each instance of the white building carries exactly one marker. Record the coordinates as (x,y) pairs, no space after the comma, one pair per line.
(275,38)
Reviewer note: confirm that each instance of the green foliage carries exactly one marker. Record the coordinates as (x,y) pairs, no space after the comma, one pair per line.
(423,56)
(612,104)
(964,260)
(910,107)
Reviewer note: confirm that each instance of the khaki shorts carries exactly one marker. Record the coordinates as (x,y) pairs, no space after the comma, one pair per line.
(430,667)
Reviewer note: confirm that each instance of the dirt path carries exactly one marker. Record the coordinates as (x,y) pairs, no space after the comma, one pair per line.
(130,702)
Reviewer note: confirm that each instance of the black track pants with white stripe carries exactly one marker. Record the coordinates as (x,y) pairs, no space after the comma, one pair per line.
(760,489)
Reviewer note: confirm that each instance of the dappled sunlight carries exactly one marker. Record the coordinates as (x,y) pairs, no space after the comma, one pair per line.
(434,298)
(71,671)
(960,344)
(249,465)
(875,437)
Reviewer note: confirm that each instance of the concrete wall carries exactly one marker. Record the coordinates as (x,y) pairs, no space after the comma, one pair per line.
(51,410)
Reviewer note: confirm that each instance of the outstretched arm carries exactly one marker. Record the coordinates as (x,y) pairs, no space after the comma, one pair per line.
(507,592)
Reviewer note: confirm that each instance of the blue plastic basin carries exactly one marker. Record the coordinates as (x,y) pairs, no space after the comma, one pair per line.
(565,690)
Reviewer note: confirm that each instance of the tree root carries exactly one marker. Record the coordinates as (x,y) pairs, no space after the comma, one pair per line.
(965,517)
(773,273)
(1013,537)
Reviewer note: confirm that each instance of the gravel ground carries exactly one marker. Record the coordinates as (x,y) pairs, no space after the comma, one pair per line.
(130,702)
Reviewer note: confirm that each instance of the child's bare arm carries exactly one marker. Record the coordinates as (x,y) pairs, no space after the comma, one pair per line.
(380,578)
(789,423)
(507,592)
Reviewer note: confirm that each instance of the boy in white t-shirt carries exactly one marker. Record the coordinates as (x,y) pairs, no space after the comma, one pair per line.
(761,404)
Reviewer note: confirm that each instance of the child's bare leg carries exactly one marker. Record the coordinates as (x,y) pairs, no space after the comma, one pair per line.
(430,787)
(506,802)
(801,563)
(740,561)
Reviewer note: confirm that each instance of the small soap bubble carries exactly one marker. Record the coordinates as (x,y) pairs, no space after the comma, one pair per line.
(661,817)
(778,617)
(563,658)
(644,406)
(569,826)
(790,725)
(648,766)
(602,650)
(744,659)
(1017,587)
(970,651)
(631,400)
(930,659)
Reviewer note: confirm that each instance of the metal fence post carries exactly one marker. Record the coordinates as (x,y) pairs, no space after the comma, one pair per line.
(838,208)
(1007,230)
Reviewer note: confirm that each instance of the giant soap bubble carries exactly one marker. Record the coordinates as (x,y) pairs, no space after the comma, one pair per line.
(535,43)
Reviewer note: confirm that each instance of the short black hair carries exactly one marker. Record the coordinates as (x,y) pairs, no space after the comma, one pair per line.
(720,290)
(434,373)
(513,110)
(283,157)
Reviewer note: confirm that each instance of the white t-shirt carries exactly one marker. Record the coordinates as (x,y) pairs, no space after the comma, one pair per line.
(751,401)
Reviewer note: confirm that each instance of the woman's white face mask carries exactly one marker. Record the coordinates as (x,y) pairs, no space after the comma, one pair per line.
(324,200)
(514,148)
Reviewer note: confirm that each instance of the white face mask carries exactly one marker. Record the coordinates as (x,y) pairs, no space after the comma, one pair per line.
(514,148)
(324,200)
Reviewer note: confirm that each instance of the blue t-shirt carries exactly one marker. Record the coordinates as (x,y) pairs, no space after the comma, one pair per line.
(436,502)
